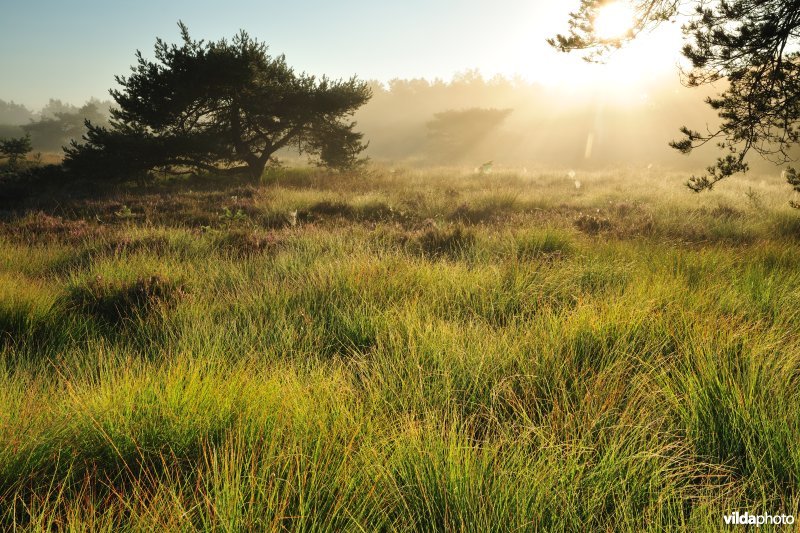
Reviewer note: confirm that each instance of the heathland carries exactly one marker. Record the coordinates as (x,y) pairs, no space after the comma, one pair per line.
(400,349)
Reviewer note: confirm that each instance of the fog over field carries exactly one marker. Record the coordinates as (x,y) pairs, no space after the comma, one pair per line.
(549,126)
(575,127)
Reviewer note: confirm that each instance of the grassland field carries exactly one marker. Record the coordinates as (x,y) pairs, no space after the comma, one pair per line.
(400,350)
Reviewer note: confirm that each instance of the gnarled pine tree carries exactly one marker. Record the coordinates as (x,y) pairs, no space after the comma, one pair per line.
(203,104)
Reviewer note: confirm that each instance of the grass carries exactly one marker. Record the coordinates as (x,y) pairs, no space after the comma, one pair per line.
(404,350)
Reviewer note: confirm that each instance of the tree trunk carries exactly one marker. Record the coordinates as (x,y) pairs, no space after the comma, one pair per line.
(255,163)
(258,164)
(256,167)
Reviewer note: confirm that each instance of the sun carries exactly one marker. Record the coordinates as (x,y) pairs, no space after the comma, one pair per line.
(614,20)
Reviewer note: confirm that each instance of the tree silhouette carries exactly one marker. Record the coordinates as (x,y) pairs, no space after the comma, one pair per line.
(201,104)
(752,45)
(58,128)
(453,133)
(14,114)
(14,149)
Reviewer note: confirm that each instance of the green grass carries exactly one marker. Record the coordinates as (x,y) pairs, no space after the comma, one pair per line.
(405,350)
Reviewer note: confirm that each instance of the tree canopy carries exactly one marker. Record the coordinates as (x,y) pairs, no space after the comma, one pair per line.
(59,127)
(752,45)
(453,134)
(14,114)
(14,149)
(202,104)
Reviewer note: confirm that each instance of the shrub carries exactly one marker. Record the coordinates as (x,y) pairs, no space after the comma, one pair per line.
(331,209)
(726,212)
(486,210)
(437,243)
(591,224)
(115,302)
(550,244)
(40,226)
(15,149)
(244,243)
(154,244)
(377,212)
(21,183)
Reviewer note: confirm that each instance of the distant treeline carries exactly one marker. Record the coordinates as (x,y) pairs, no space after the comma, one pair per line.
(582,126)
(470,119)
(53,126)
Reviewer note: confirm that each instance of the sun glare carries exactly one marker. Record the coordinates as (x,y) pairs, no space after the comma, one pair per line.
(614,21)
(623,76)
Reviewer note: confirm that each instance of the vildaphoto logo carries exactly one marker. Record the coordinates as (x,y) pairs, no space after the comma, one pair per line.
(747,519)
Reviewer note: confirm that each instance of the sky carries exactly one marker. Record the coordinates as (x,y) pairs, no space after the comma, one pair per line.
(72,50)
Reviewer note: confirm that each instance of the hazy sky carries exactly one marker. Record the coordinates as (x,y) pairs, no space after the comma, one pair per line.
(72,50)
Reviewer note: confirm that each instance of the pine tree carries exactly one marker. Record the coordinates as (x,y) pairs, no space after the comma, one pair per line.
(202,104)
